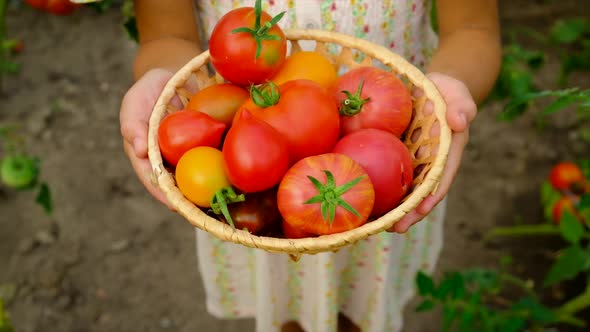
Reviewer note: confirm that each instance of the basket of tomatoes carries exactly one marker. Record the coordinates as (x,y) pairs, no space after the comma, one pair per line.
(262,142)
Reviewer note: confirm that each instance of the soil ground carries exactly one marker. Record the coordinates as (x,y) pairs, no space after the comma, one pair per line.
(111,259)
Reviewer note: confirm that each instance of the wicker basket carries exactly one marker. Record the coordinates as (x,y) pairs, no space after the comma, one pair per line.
(428,147)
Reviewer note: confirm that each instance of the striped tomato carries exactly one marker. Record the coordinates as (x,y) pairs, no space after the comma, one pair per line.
(325,194)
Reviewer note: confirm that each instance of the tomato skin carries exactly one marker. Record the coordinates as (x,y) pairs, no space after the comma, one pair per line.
(200,174)
(233,55)
(255,154)
(567,176)
(182,130)
(389,105)
(56,7)
(296,188)
(220,101)
(305,116)
(307,65)
(387,161)
(291,232)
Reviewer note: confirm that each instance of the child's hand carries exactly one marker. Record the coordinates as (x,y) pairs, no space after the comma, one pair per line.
(136,109)
(461,110)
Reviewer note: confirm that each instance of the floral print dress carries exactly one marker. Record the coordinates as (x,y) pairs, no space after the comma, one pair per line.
(369,282)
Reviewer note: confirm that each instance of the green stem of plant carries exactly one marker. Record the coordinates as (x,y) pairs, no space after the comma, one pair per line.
(570,320)
(523,230)
(578,303)
(525,285)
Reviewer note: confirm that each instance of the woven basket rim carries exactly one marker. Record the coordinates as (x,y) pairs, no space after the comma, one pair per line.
(164,180)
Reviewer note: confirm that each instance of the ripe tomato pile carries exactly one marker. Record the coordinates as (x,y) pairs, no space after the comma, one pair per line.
(570,183)
(286,146)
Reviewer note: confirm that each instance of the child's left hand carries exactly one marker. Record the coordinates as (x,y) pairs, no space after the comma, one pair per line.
(461,110)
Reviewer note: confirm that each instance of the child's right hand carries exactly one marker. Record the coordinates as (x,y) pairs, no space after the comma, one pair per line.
(135,112)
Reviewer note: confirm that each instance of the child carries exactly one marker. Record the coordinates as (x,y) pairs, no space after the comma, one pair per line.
(368,283)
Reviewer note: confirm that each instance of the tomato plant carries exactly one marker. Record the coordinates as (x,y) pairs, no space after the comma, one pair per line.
(255,154)
(301,111)
(325,194)
(381,101)
(247,46)
(185,129)
(201,178)
(565,203)
(220,101)
(387,161)
(56,7)
(19,171)
(308,65)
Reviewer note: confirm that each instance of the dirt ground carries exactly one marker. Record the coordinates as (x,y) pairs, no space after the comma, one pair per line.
(111,259)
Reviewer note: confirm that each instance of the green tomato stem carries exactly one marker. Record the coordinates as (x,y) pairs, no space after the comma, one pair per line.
(221,199)
(353,104)
(260,32)
(265,96)
(329,196)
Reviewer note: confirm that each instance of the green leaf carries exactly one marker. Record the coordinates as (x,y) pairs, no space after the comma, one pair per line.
(426,305)
(512,324)
(536,311)
(560,104)
(452,285)
(449,316)
(44,198)
(424,283)
(484,279)
(549,196)
(584,202)
(130,26)
(468,316)
(569,31)
(9,67)
(572,261)
(570,228)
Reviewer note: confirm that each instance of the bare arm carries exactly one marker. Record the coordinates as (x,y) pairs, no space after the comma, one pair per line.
(168,35)
(469,45)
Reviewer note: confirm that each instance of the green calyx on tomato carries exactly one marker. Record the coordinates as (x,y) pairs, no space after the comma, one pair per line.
(329,195)
(221,199)
(266,96)
(19,172)
(353,104)
(260,32)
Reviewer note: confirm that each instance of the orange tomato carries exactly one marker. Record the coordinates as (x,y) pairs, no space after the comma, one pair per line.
(220,101)
(308,65)
(200,175)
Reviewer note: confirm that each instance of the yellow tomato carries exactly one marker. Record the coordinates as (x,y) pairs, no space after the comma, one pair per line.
(200,174)
(307,65)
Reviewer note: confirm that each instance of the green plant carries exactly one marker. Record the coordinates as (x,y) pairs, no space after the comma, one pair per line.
(7,46)
(5,325)
(19,170)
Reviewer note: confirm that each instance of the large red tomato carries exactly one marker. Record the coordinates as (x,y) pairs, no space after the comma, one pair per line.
(568,176)
(370,97)
(387,161)
(325,194)
(183,130)
(56,7)
(302,112)
(255,154)
(247,46)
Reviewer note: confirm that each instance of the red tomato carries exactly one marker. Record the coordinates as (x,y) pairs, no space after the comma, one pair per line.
(255,154)
(291,232)
(325,194)
(387,161)
(57,7)
(568,176)
(221,101)
(247,46)
(564,204)
(183,130)
(370,97)
(302,112)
